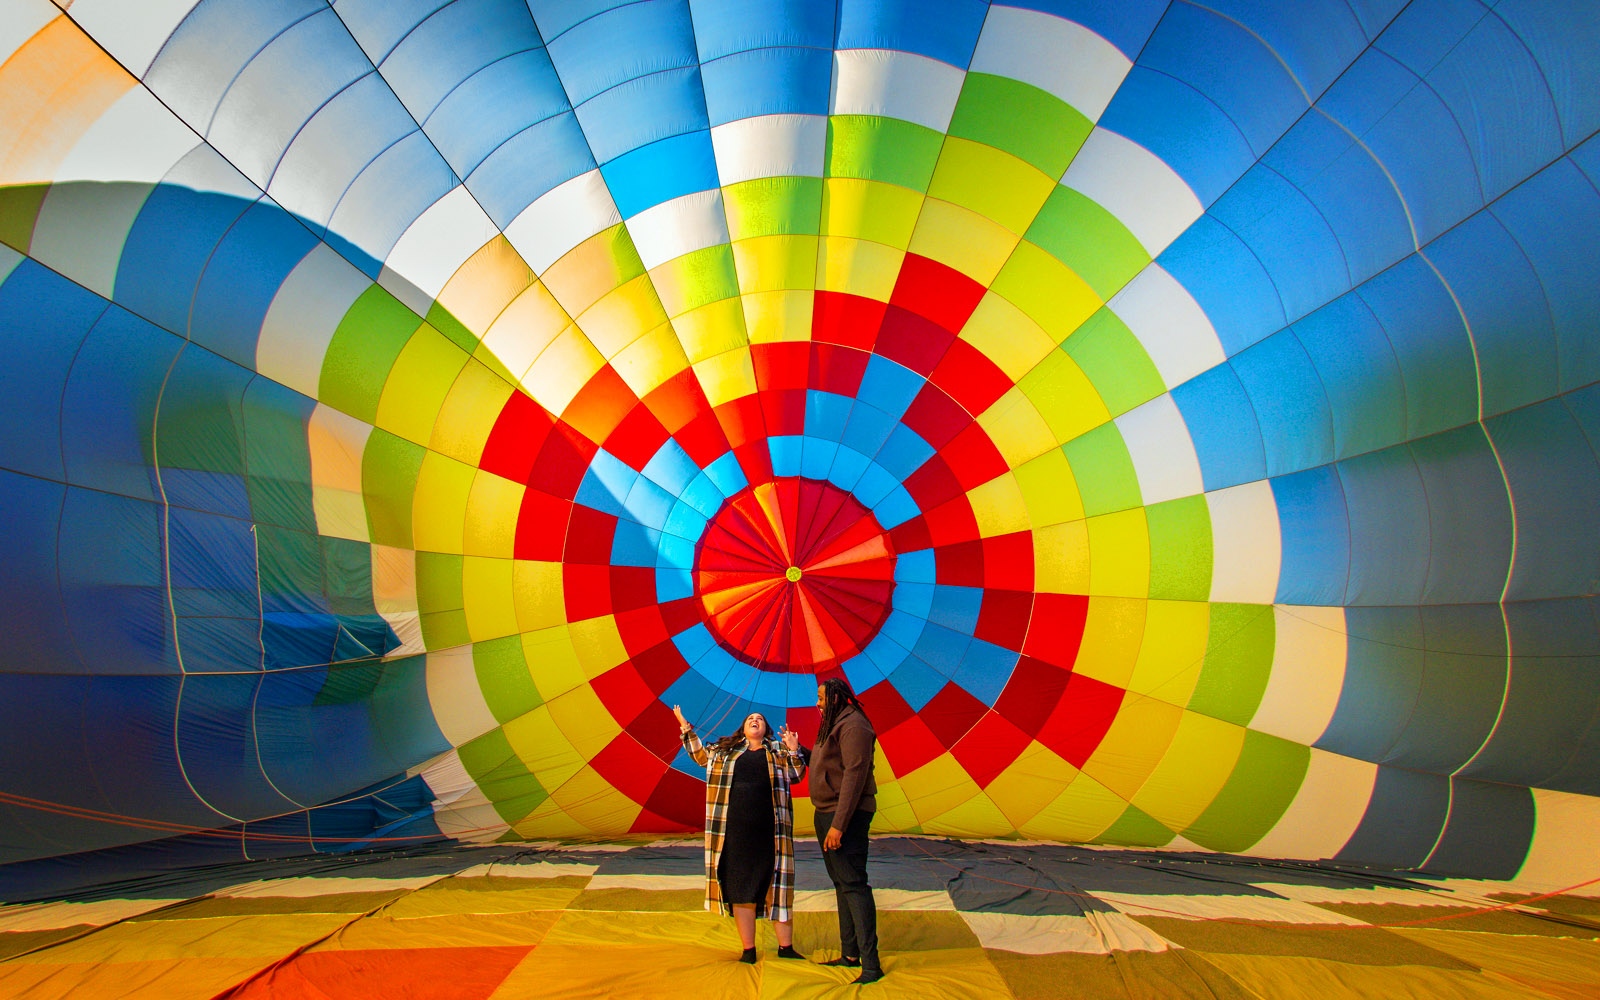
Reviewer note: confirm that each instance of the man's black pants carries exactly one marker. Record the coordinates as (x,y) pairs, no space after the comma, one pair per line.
(847,867)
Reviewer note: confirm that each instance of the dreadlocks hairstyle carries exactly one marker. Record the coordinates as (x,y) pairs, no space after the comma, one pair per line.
(735,740)
(836,694)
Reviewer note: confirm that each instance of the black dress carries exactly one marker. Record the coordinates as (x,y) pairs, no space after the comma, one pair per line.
(745,867)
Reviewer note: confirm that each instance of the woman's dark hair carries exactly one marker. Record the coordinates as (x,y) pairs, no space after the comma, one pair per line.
(736,740)
(836,694)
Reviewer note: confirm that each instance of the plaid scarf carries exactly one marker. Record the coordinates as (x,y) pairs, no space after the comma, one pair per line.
(779,904)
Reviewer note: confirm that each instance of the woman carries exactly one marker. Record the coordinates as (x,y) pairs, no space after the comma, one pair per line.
(750,826)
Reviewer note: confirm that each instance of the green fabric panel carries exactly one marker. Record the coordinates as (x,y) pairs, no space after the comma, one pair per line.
(882,149)
(443,629)
(707,276)
(501,775)
(444,623)
(19,212)
(1114,360)
(290,566)
(1136,828)
(389,468)
(1263,784)
(1239,651)
(364,347)
(347,568)
(1020,119)
(1103,470)
(278,463)
(454,330)
(508,688)
(350,682)
(775,206)
(205,438)
(1180,549)
(1075,230)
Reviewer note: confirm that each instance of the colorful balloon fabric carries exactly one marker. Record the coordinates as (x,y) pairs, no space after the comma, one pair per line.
(1177,421)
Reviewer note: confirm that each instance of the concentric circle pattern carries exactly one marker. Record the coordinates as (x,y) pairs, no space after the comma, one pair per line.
(1175,421)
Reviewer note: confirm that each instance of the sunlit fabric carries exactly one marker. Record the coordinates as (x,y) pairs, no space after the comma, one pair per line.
(1178,422)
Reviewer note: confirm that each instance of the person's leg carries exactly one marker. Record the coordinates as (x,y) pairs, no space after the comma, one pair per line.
(849,953)
(855,894)
(744,918)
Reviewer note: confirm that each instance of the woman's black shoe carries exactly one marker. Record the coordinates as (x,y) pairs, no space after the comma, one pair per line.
(749,956)
(848,963)
(869,976)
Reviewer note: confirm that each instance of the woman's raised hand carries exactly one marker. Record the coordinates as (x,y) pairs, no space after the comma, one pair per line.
(791,739)
(682,722)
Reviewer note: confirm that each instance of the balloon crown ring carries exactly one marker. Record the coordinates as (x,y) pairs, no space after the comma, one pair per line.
(792,574)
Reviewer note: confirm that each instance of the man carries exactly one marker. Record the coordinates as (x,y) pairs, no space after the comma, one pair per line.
(845,796)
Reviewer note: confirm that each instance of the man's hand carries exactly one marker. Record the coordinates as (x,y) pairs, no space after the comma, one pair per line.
(834,838)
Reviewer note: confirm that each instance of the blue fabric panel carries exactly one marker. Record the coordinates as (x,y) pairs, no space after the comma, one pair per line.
(1360,377)
(904,452)
(1561,248)
(1227,279)
(1424,32)
(1291,408)
(768,82)
(889,385)
(1382,679)
(167,248)
(278,461)
(906,26)
(1580,774)
(108,404)
(826,414)
(1375,14)
(1388,527)
(1555,482)
(1224,428)
(1315,529)
(1403,820)
(528,165)
(211,568)
(449,47)
(1504,305)
(635,114)
(492,106)
(43,320)
(199,457)
(382,203)
(608,49)
(1420,146)
(1316,41)
(555,17)
(941,649)
(1430,344)
(953,607)
(723,27)
(1489,831)
(215,40)
(1463,680)
(1127,25)
(1570,72)
(32,609)
(242,278)
(985,669)
(1469,517)
(379,25)
(1185,129)
(113,585)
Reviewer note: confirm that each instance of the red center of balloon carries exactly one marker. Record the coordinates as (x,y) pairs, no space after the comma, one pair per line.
(794,574)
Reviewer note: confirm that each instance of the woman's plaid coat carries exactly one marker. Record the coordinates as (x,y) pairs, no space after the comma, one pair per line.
(783,767)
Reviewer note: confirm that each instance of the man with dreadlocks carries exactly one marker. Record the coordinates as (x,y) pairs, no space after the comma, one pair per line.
(845,796)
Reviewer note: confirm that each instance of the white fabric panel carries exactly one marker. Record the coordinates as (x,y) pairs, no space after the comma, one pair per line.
(561,218)
(435,246)
(1308,662)
(895,85)
(683,225)
(1058,56)
(770,146)
(1227,907)
(1162,453)
(203,169)
(1136,186)
(455,696)
(9,259)
(460,809)
(137,139)
(54,916)
(132,32)
(81,229)
(1170,325)
(1322,818)
(1099,933)
(1246,544)
(1565,848)
(303,316)
(20,20)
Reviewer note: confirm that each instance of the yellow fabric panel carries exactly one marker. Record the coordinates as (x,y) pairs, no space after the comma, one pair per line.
(1297,978)
(1134,745)
(783,315)
(408,927)
(552,662)
(138,979)
(1173,651)
(937,787)
(439,507)
(1016,428)
(999,506)
(1528,959)
(335,443)
(1196,766)
(418,383)
(726,376)
(1049,489)
(771,263)
(976,817)
(895,811)
(1007,336)
(1061,558)
(990,182)
(857,267)
(1068,399)
(1119,554)
(592,268)
(564,368)
(766,205)
(622,316)
(592,802)
(271,934)
(962,239)
(870,210)
(694,279)
(55,87)
(485,284)
(542,747)
(712,329)
(491,519)
(651,360)
(468,413)
(394,580)
(598,644)
(1046,289)
(1112,634)
(527,326)
(1023,790)
(538,592)
(1083,811)
(486,597)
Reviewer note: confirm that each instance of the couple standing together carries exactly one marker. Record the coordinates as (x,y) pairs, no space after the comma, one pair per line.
(750,823)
